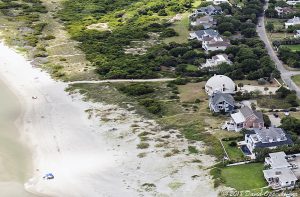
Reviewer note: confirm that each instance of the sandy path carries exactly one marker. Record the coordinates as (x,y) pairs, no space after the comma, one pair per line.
(85,156)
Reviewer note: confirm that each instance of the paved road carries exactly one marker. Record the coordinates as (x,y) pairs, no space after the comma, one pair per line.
(124,80)
(285,74)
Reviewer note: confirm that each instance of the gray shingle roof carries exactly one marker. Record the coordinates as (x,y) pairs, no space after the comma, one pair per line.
(276,134)
(259,116)
(219,97)
(270,134)
(246,111)
(209,32)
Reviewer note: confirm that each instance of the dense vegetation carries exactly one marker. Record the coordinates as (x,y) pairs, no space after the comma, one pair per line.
(290,57)
(137,21)
(271,12)
(131,21)
(241,20)
(251,60)
(27,14)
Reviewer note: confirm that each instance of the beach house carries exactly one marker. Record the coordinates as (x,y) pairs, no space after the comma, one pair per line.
(216,60)
(220,83)
(292,22)
(221,102)
(280,174)
(201,34)
(245,118)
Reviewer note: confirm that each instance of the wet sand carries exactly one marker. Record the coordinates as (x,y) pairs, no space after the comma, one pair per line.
(15,158)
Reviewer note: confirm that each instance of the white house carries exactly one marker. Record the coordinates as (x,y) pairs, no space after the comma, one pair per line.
(215,43)
(292,22)
(280,178)
(281,11)
(245,118)
(266,138)
(277,160)
(220,83)
(293,2)
(280,175)
(297,35)
(216,60)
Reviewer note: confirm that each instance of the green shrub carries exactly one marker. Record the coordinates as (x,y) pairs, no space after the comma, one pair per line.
(137,89)
(151,105)
(143,145)
(233,144)
(192,149)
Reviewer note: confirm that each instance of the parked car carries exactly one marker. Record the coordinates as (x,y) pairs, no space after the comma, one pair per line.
(276,115)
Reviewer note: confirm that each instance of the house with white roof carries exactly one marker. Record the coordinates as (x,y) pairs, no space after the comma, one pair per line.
(280,178)
(277,160)
(292,22)
(281,174)
(216,60)
(245,118)
(220,83)
(293,2)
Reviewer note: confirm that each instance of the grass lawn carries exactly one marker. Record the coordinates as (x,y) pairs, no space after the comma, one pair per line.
(196,3)
(279,36)
(244,177)
(295,114)
(278,23)
(294,48)
(234,153)
(296,78)
(191,67)
(192,91)
(272,103)
(182,28)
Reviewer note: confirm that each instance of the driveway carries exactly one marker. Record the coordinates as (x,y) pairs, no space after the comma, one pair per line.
(250,88)
(285,74)
(274,121)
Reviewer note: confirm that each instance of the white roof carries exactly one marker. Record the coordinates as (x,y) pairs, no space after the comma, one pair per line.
(283,174)
(238,117)
(278,160)
(294,20)
(220,83)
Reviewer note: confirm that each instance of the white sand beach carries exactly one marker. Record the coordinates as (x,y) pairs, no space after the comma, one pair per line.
(85,154)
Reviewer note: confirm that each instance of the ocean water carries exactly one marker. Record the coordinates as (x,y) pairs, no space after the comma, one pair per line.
(15,158)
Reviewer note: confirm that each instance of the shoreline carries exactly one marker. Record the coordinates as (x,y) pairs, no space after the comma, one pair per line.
(13,151)
(85,155)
